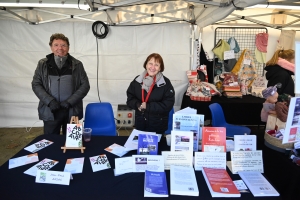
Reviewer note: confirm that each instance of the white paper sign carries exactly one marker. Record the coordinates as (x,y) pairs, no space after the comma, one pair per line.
(123,165)
(45,164)
(38,146)
(246,161)
(210,160)
(229,55)
(148,162)
(178,158)
(23,160)
(99,163)
(74,135)
(74,165)
(53,177)
(245,142)
(247,61)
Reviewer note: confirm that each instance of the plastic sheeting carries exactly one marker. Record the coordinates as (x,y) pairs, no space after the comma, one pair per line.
(121,57)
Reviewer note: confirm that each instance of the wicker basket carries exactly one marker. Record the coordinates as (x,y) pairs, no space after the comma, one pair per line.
(276,144)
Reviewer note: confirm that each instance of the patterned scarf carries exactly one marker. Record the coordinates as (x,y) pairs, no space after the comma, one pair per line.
(148,80)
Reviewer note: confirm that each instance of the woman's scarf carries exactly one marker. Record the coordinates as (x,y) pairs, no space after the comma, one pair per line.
(148,80)
(286,64)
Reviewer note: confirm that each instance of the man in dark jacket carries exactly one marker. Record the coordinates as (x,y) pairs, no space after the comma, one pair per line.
(60,82)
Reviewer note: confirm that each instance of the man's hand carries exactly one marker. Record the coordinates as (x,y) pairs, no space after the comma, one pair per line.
(54,106)
(65,105)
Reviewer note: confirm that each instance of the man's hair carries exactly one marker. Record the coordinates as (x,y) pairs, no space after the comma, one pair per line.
(58,36)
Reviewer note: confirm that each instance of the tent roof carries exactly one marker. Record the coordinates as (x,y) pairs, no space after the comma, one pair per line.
(136,12)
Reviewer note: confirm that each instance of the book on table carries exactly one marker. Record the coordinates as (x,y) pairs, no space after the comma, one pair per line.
(258,184)
(183,181)
(214,139)
(189,120)
(155,184)
(219,183)
(147,144)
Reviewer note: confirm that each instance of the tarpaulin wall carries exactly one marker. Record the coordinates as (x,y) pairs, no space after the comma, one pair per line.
(121,57)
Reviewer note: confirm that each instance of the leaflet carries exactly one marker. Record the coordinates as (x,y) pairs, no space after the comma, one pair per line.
(210,160)
(148,162)
(99,163)
(178,158)
(132,141)
(38,145)
(117,150)
(123,165)
(45,164)
(182,141)
(23,160)
(74,165)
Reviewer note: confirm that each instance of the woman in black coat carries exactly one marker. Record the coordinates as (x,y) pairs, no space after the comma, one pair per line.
(152,96)
(280,69)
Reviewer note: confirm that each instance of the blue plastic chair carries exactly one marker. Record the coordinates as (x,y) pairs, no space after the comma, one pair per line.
(170,122)
(218,120)
(100,118)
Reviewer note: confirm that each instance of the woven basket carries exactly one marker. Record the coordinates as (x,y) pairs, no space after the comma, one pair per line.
(276,144)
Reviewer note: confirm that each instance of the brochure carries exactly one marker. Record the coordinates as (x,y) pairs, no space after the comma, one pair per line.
(219,183)
(38,146)
(214,139)
(141,163)
(99,163)
(147,144)
(258,184)
(183,181)
(74,165)
(123,165)
(45,164)
(155,184)
(132,141)
(23,160)
(189,122)
(117,150)
(182,141)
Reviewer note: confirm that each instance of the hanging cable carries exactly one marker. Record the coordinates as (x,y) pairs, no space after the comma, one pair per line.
(98,71)
(100,29)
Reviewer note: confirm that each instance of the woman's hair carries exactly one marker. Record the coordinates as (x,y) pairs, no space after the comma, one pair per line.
(58,36)
(157,58)
(284,54)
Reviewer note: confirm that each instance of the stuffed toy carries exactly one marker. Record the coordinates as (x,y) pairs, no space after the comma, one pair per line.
(271,96)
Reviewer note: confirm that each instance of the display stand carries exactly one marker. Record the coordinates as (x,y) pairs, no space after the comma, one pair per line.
(74,119)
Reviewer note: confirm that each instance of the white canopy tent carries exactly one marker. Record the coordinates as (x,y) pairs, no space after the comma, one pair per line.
(173,25)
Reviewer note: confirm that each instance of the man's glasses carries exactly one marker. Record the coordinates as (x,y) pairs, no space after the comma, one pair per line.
(60,45)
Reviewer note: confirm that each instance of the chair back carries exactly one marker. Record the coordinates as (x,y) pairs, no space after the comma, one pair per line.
(170,122)
(218,119)
(100,118)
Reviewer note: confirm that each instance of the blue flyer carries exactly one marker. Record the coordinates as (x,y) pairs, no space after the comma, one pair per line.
(147,144)
(155,184)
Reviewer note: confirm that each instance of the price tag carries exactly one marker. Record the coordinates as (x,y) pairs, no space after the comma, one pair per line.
(229,55)
(247,61)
